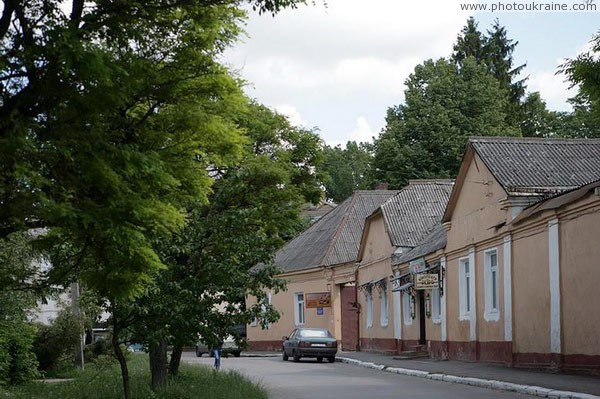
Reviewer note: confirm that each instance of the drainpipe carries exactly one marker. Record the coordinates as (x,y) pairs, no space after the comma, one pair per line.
(357,310)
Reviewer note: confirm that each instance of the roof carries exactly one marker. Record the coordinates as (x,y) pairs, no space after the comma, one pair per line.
(540,165)
(411,213)
(556,202)
(434,240)
(531,166)
(333,239)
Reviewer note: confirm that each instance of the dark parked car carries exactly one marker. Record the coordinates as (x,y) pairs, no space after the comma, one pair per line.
(310,342)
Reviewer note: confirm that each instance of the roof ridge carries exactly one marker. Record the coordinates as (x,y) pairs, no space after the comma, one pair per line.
(537,140)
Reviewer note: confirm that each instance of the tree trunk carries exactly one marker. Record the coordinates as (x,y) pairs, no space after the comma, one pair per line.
(158,363)
(175,359)
(121,359)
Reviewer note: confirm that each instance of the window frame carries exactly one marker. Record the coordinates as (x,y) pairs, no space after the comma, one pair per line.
(384,317)
(407,308)
(299,313)
(436,306)
(370,307)
(465,273)
(491,285)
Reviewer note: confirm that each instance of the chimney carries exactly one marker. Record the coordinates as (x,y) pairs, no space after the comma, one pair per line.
(382,186)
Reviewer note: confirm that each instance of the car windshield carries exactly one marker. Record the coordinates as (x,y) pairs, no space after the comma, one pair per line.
(315,333)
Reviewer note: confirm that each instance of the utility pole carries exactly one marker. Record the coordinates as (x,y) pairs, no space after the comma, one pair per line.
(79,362)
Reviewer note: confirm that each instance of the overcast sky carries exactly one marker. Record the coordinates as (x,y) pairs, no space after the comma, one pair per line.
(339,67)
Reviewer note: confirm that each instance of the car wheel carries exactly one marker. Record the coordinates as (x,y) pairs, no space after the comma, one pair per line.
(237,354)
(331,359)
(198,353)
(320,359)
(285,356)
(296,357)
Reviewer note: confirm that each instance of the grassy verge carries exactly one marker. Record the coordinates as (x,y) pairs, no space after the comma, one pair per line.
(104,382)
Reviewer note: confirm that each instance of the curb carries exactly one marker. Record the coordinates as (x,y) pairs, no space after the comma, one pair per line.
(477,382)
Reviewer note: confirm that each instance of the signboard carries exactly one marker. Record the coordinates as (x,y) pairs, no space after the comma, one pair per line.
(417,266)
(319,311)
(427,281)
(318,300)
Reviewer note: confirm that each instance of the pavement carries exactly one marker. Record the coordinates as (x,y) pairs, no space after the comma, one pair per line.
(530,382)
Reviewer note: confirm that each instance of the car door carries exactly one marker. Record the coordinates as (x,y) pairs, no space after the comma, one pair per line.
(288,343)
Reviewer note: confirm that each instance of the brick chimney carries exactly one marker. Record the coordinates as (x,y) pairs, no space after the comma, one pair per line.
(382,186)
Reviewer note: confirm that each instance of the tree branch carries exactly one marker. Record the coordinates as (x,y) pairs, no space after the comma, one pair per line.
(76,12)
(7,12)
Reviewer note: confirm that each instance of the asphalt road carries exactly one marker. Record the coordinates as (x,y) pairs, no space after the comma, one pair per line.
(311,380)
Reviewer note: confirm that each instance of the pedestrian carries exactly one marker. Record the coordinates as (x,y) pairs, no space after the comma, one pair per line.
(217,354)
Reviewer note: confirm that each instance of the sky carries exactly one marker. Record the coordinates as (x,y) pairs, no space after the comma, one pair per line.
(337,67)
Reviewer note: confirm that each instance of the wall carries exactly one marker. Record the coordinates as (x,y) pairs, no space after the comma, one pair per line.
(375,266)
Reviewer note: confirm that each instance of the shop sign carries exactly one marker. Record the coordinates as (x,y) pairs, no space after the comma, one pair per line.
(427,281)
(318,300)
(417,266)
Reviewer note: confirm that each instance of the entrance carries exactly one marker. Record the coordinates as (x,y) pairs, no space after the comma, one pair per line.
(349,318)
(422,337)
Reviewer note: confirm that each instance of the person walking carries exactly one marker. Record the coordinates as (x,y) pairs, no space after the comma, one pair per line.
(217,354)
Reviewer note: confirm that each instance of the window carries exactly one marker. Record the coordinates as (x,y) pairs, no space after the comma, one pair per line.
(464,287)
(384,306)
(369,307)
(408,307)
(299,308)
(492,295)
(436,306)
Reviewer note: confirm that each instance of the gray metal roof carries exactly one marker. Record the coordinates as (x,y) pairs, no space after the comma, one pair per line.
(412,213)
(530,165)
(434,240)
(335,238)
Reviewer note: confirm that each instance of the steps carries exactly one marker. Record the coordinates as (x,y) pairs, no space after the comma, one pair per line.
(413,352)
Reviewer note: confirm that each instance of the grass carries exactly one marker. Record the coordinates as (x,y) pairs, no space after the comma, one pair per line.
(104,382)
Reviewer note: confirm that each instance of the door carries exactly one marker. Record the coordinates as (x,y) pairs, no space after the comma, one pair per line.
(349,318)
(422,335)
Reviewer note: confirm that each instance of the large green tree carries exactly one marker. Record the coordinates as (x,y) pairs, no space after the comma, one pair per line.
(494,50)
(253,210)
(444,104)
(111,116)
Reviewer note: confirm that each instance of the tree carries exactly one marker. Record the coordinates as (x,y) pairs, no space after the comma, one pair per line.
(110,117)
(345,169)
(444,105)
(253,210)
(18,284)
(537,120)
(583,71)
(494,51)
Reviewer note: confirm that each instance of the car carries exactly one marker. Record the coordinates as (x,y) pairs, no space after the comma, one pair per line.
(310,342)
(229,347)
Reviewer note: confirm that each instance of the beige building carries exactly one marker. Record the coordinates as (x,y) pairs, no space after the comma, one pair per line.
(519,258)
(503,273)
(320,269)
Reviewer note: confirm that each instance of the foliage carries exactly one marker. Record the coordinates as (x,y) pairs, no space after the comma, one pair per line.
(583,71)
(346,169)
(494,51)
(102,382)
(54,344)
(537,120)
(17,281)
(444,105)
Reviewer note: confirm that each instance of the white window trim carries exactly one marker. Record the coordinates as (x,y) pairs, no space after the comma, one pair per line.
(369,307)
(407,308)
(491,314)
(297,302)
(464,288)
(384,313)
(436,306)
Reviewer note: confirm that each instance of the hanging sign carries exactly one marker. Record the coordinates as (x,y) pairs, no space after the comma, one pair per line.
(427,281)
(417,266)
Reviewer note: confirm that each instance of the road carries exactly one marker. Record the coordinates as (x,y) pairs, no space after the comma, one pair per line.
(311,380)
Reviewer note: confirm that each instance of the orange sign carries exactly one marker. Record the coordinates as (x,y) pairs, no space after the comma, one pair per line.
(318,300)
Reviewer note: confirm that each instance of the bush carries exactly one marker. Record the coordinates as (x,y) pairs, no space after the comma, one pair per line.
(17,362)
(54,344)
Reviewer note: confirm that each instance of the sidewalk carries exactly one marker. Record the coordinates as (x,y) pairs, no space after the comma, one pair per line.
(545,385)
